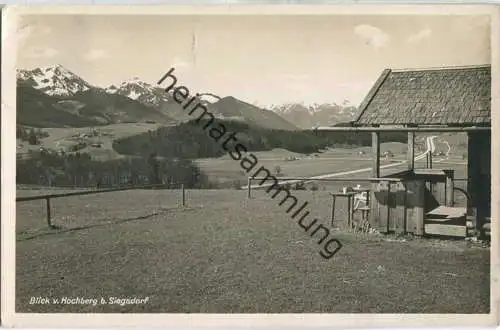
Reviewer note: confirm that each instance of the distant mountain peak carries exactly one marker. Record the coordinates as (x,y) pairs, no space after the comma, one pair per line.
(136,89)
(54,80)
(230,99)
(347,103)
(209,97)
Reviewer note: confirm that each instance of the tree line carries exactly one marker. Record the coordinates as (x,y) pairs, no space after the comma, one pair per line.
(80,170)
(32,135)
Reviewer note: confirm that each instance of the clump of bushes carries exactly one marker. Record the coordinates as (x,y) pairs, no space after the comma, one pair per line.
(314,187)
(236,184)
(278,172)
(77,146)
(300,186)
(32,136)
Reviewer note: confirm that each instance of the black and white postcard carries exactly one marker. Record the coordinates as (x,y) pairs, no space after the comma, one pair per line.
(249,165)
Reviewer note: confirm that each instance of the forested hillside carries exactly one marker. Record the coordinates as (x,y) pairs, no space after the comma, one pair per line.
(189,140)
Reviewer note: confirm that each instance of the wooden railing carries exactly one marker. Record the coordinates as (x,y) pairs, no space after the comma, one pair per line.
(305,180)
(48,197)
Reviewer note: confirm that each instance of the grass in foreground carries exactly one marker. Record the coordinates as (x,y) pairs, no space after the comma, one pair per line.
(224,253)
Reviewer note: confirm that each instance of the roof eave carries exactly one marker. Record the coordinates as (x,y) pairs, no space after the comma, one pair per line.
(371,94)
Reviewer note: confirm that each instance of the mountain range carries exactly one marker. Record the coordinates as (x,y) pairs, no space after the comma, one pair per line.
(56,97)
(325,114)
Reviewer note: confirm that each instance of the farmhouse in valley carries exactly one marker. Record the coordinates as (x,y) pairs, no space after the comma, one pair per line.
(451,99)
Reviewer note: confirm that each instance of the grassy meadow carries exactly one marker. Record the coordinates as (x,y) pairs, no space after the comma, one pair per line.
(225,253)
(225,169)
(221,255)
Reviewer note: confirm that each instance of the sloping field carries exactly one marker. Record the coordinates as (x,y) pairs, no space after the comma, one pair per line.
(224,253)
(335,160)
(65,137)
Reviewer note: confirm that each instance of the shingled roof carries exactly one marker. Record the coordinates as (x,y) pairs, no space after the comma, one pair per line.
(454,96)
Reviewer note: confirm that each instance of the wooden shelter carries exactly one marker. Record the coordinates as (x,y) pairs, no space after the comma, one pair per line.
(444,99)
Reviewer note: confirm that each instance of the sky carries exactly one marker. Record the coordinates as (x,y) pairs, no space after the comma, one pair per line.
(263,60)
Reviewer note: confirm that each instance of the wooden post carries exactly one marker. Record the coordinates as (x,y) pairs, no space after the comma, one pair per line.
(449,187)
(410,207)
(376,154)
(375,174)
(348,223)
(249,188)
(411,151)
(49,220)
(483,192)
(333,209)
(429,185)
(400,207)
(472,174)
(383,205)
(183,195)
(419,215)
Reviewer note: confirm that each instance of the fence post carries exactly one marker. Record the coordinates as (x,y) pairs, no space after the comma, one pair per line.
(183,195)
(249,187)
(49,222)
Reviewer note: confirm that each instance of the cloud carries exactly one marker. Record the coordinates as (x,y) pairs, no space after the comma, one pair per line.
(29,30)
(95,54)
(23,33)
(42,52)
(420,35)
(372,36)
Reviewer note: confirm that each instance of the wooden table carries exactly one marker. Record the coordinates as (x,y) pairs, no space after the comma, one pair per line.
(350,202)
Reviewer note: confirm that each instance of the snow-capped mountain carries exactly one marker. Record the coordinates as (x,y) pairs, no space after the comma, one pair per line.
(151,96)
(156,97)
(314,114)
(148,94)
(56,97)
(54,80)
(311,106)
(141,91)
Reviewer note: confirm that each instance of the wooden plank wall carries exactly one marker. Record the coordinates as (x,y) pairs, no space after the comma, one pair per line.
(390,211)
(399,207)
(380,215)
(415,211)
(439,192)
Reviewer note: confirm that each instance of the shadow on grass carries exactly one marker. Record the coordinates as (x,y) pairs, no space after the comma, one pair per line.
(54,229)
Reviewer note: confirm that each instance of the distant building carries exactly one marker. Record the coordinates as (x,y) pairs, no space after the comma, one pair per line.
(388,154)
